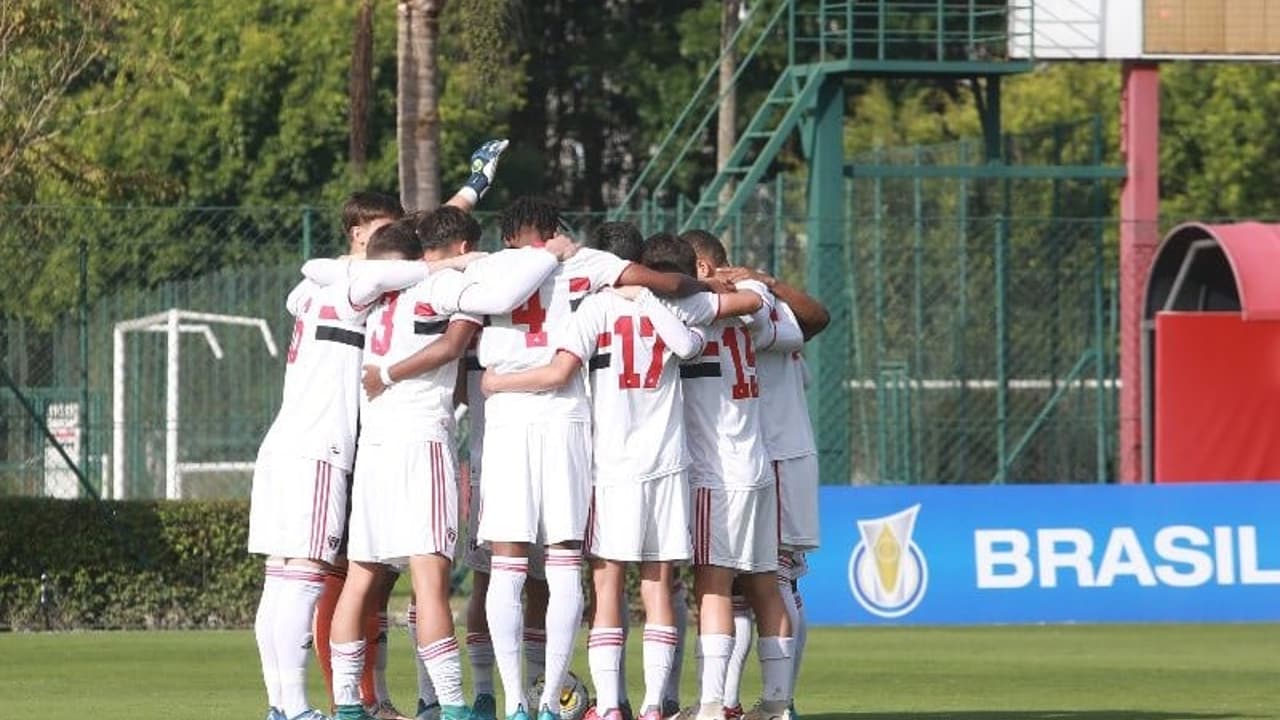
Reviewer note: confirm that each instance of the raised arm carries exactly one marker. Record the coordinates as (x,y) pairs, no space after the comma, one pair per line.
(540,379)
(484,165)
(449,347)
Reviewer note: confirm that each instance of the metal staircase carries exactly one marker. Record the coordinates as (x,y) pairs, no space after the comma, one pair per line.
(824,39)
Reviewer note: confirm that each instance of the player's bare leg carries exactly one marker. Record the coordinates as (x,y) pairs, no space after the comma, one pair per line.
(712,588)
(607,639)
(437,645)
(508,571)
(774,646)
(659,635)
(347,638)
(564,615)
(480,649)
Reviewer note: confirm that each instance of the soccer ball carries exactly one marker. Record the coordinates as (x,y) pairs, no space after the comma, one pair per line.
(573,697)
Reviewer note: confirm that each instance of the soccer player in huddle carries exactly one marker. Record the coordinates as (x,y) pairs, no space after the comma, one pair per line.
(536,484)
(299,494)
(788,439)
(639,511)
(735,525)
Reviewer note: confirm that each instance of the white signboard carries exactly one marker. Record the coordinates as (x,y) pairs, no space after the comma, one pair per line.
(63,420)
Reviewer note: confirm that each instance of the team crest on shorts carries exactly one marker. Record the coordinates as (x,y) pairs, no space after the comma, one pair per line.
(333,541)
(887,571)
(452,535)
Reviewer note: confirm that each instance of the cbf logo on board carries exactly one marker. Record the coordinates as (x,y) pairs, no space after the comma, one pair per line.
(887,572)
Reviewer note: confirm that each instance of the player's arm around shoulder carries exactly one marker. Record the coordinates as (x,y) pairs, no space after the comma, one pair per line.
(683,341)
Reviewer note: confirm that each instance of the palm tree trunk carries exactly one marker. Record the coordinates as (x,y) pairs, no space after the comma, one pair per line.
(360,88)
(418,102)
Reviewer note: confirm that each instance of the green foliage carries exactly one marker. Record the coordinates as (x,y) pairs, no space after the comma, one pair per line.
(128,564)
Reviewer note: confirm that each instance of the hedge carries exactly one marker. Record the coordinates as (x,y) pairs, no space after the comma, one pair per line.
(126,564)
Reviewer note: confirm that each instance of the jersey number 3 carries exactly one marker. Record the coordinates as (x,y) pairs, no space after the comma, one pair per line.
(624,329)
(380,343)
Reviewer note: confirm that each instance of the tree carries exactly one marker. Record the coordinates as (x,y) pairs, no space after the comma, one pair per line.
(726,119)
(361,88)
(418,102)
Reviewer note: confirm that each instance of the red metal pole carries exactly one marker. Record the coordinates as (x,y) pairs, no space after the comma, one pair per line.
(1139,235)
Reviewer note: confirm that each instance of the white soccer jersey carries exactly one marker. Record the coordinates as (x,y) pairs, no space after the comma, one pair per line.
(722,408)
(528,336)
(318,412)
(631,350)
(399,325)
(784,412)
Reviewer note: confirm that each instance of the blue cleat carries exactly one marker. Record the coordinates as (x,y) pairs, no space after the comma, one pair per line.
(520,714)
(427,712)
(546,714)
(274,713)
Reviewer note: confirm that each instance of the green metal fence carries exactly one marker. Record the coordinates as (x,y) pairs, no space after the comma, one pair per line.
(981,331)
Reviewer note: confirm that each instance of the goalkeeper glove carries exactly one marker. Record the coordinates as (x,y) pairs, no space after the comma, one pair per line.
(484,165)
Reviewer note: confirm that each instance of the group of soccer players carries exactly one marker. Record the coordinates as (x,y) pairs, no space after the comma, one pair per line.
(637,402)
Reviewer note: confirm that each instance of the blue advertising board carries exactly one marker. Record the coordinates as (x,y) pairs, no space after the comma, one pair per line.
(1046,554)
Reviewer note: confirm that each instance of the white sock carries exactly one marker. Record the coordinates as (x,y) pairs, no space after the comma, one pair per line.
(564,615)
(380,690)
(426,691)
(264,631)
(445,665)
(300,588)
(742,627)
(659,651)
(793,616)
(622,657)
(714,653)
(480,654)
(604,655)
(775,669)
(800,636)
(535,653)
(680,604)
(503,608)
(348,664)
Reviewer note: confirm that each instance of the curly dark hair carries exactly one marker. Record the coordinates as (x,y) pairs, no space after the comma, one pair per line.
(530,211)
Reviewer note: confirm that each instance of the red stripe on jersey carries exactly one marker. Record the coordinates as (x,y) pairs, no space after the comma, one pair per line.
(579,284)
(605,340)
(712,349)
(328,312)
(423,309)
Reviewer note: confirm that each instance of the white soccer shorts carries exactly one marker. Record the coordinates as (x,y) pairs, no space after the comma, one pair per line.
(641,521)
(298,507)
(736,529)
(797,480)
(404,501)
(536,486)
(478,555)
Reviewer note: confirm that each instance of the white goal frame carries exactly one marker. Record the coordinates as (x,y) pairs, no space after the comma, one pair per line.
(173,322)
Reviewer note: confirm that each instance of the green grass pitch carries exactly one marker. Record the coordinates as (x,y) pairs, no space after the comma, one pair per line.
(1148,672)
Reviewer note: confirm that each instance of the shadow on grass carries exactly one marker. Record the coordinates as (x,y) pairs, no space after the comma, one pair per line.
(1028,715)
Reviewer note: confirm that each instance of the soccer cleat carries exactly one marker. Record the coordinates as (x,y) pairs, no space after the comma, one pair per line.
(350,712)
(653,713)
(624,707)
(670,708)
(308,715)
(519,714)
(485,707)
(455,712)
(275,714)
(733,713)
(386,711)
(427,712)
(547,714)
(709,711)
(792,710)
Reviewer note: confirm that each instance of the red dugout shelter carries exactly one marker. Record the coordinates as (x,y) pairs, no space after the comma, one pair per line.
(1211,355)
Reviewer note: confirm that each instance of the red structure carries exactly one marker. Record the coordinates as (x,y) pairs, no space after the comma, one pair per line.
(1211,355)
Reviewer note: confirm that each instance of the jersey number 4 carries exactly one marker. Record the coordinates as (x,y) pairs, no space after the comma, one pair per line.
(533,315)
(624,329)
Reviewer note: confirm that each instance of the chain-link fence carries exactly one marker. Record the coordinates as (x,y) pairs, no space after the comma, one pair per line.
(975,321)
